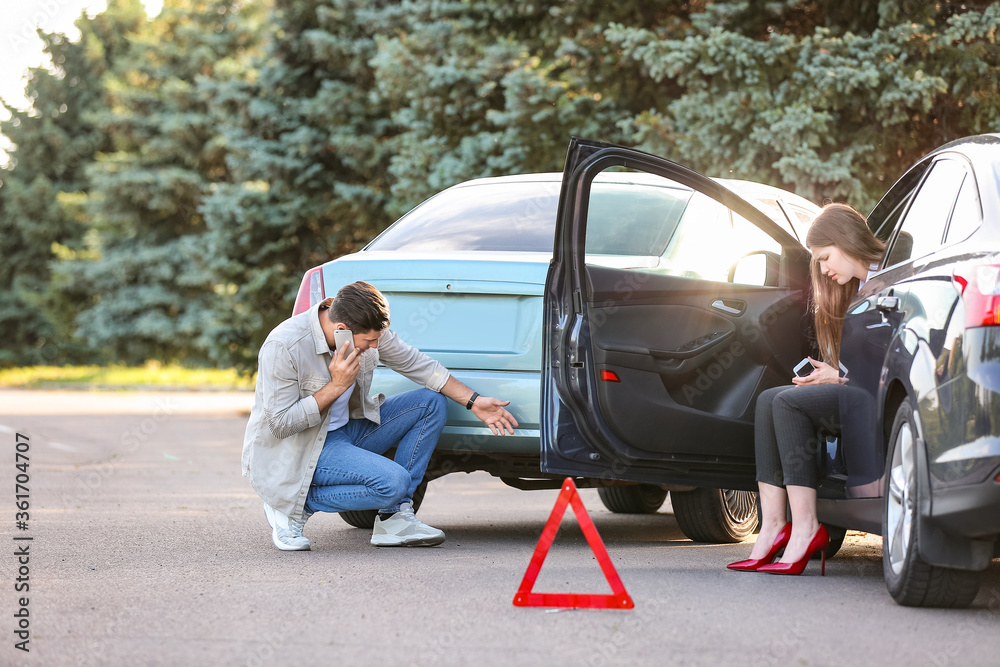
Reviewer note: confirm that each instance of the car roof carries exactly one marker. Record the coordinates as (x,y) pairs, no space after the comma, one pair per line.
(753,192)
(976,144)
(746,189)
(982,150)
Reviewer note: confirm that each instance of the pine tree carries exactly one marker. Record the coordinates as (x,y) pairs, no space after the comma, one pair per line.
(307,141)
(828,99)
(226,147)
(151,291)
(492,87)
(362,109)
(41,219)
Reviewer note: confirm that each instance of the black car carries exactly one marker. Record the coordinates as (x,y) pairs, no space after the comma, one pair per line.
(651,370)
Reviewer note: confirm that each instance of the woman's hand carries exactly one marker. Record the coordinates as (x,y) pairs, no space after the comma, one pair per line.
(824,373)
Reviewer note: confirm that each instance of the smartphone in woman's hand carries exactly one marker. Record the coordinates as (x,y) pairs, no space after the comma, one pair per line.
(804,368)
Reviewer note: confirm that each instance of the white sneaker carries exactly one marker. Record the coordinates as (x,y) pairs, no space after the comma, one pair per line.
(286,532)
(403,529)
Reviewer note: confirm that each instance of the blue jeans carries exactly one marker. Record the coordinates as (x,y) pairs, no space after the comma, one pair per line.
(352,474)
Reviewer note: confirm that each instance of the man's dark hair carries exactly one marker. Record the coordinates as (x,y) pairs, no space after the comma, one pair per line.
(361,307)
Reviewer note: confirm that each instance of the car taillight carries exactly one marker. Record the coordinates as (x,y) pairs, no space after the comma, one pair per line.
(980,290)
(311,291)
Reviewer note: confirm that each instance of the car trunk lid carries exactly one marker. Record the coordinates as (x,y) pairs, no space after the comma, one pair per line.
(467,310)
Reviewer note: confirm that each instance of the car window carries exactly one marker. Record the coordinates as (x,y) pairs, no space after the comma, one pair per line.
(922,229)
(772,209)
(693,250)
(516,216)
(659,225)
(633,219)
(968,213)
(885,216)
(801,219)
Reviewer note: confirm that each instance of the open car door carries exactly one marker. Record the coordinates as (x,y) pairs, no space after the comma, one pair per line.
(670,305)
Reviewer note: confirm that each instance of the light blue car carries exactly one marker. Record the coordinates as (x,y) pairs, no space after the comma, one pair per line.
(464,274)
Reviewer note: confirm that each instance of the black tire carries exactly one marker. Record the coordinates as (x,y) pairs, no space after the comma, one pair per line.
(720,516)
(911,581)
(366,518)
(837,536)
(632,499)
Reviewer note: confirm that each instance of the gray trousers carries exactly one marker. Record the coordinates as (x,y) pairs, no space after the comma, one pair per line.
(791,423)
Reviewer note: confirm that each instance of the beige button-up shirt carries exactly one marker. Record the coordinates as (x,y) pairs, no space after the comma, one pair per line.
(286,431)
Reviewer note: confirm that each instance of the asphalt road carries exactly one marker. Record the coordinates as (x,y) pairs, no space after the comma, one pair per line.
(149,548)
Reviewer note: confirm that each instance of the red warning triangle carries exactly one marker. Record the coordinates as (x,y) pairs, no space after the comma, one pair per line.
(619,598)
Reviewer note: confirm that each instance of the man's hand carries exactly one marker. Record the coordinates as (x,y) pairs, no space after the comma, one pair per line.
(489,410)
(824,374)
(344,370)
(492,413)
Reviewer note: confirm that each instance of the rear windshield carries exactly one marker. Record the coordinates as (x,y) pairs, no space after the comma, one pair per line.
(505,217)
(625,219)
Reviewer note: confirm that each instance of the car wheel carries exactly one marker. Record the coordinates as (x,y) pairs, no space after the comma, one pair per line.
(716,515)
(366,518)
(911,581)
(632,499)
(837,536)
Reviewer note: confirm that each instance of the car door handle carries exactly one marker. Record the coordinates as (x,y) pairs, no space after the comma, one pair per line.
(887,304)
(730,308)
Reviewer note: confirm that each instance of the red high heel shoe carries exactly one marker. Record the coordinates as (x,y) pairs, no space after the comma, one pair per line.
(751,564)
(817,543)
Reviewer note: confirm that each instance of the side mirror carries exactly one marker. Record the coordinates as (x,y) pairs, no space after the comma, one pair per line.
(759,267)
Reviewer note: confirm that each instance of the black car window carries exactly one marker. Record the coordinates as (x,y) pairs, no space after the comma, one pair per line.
(922,229)
(518,216)
(968,213)
(885,216)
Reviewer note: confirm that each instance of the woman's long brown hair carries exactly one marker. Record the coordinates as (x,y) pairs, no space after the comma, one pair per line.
(841,226)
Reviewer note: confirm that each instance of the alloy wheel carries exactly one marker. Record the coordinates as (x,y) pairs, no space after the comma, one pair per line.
(901,500)
(740,505)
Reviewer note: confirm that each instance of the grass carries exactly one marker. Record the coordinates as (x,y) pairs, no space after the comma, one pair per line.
(151,376)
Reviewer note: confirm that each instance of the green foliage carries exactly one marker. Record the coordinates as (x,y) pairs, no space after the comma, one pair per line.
(489,87)
(176,177)
(362,109)
(40,217)
(305,141)
(828,113)
(151,293)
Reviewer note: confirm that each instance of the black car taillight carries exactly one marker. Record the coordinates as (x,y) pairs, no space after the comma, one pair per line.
(980,290)
(311,291)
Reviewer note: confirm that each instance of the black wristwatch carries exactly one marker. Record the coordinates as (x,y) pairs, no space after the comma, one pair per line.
(468,406)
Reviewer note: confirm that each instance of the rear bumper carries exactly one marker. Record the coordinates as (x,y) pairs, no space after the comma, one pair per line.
(479,440)
(463,433)
(521,388)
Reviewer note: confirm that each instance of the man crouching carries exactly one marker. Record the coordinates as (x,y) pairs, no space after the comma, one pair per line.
(316,437)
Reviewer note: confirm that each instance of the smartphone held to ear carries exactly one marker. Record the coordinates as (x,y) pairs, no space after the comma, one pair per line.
(344,338)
